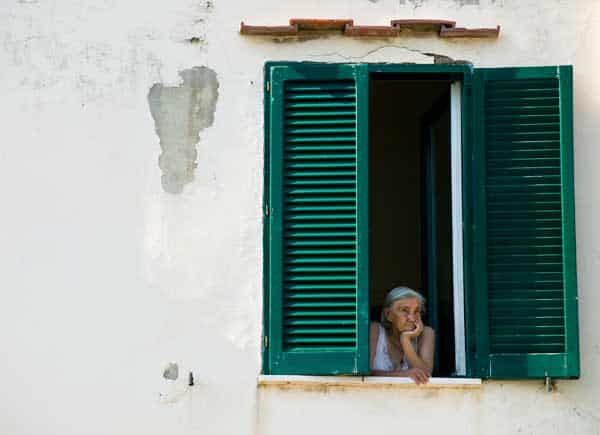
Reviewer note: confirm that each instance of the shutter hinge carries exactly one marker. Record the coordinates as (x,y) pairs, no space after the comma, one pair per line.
(268,86)
(266,209)
(265,341)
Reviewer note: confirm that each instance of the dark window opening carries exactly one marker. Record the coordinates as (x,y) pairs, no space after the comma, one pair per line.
(410,201)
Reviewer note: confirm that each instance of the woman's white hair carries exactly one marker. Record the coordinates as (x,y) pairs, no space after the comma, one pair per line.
(400,293)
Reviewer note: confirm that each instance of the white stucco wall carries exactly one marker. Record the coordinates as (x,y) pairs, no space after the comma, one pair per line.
(105,277)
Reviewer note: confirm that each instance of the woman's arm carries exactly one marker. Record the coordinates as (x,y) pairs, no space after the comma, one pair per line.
(416,373)
(424,359)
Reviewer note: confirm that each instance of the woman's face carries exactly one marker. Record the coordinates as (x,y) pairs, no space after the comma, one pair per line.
(404,314)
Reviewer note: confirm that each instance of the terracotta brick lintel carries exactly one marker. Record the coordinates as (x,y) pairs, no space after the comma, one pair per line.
(318,24)
(461,32)
(444,28)
(422,25)
(376,31)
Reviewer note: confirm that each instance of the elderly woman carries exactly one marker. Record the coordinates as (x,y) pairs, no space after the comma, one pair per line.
(401,345)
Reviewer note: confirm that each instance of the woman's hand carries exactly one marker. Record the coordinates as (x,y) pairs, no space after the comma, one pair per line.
(409,335)
(420,376)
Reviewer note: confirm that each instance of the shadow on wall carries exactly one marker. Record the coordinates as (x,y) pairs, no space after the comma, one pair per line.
(180,113)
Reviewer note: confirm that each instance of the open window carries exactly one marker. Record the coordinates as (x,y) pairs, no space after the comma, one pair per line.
(454,181)
(410,199)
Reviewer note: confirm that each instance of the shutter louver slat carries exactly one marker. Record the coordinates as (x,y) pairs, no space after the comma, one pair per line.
(319,216)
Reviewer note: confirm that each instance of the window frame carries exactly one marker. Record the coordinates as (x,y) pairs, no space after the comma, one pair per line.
(458,72)
(475,310)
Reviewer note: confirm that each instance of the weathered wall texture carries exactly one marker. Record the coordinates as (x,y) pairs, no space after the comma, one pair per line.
(107,275)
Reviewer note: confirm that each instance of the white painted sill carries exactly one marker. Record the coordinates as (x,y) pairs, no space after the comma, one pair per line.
(364,382)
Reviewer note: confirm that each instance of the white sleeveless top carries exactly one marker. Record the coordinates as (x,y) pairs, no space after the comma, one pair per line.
(382,360)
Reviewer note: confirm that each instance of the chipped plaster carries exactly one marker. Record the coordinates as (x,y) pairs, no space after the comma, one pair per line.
(180,113)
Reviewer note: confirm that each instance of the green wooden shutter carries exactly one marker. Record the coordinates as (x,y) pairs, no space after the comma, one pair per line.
(318,219)
(524,263)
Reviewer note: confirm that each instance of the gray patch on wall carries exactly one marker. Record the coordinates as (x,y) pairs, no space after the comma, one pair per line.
(415,3)
(180,113)
(171,371)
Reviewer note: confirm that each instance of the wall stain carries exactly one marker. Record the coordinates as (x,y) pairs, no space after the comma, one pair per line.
(415,3)
(180,113)
(441,59)
(171,371)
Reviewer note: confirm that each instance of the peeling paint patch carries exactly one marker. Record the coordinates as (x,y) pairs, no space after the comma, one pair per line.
(171,371)
(415,3)
(180,113)
(444,60)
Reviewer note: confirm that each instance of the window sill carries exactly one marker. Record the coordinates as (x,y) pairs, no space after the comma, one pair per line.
(364,382)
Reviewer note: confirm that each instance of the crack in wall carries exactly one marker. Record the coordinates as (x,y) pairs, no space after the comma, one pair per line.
(180,113)
(437,58)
